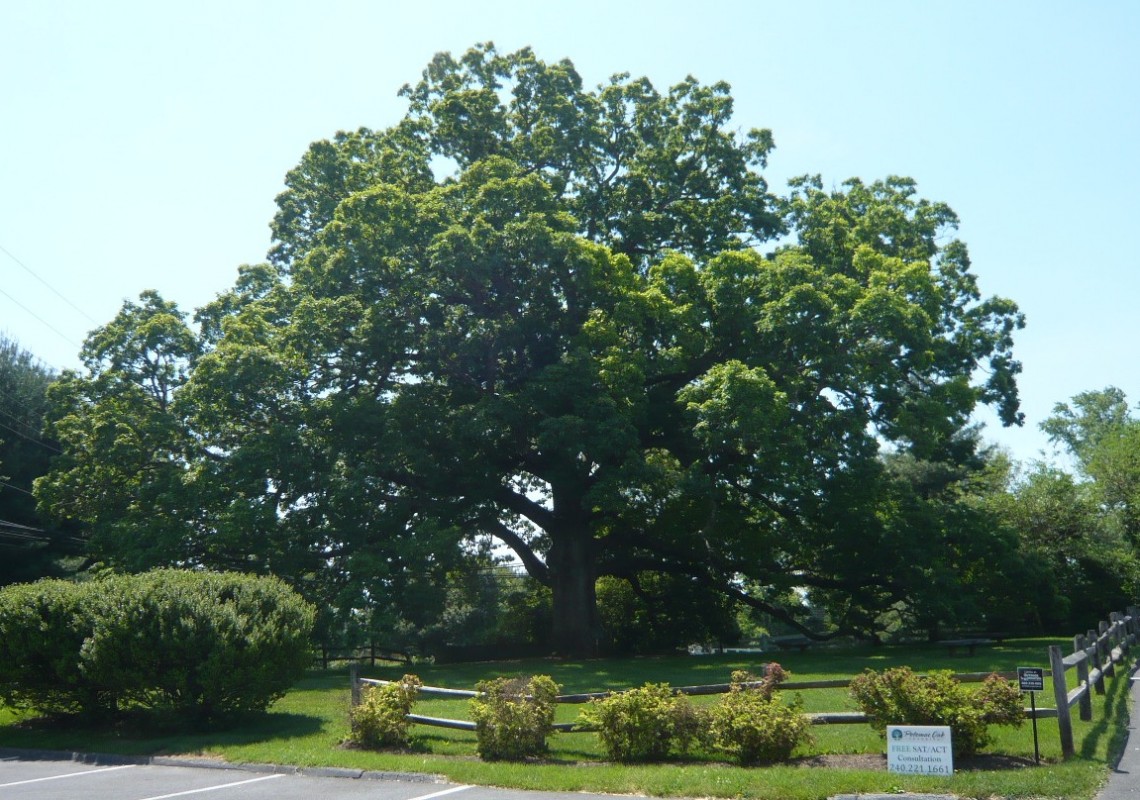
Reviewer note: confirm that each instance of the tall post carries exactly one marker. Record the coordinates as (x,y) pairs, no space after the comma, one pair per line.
(1106,640)
(1093,640)
(354,679)
(1061,695)
(1083,677)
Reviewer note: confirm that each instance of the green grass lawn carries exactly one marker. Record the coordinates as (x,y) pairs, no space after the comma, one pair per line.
(307,726)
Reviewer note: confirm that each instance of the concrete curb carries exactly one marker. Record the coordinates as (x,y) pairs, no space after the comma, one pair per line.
(114,759)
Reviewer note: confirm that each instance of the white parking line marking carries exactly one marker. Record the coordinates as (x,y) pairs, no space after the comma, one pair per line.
(215,788)
(452,790)
(68,775)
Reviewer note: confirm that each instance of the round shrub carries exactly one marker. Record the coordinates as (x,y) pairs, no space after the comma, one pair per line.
(200,645)
(900,697)
(381,719)
(752,723)
(42,629)
(513,717)
(643,724)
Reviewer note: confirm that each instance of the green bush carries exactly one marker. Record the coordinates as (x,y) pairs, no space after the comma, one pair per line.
(900,697)
(200,645)
(194,646)
(752,724)
(644,724)
(513,717)
(42,629)
(381,719)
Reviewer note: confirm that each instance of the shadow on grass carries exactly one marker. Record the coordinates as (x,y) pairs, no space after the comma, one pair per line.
(136,736)
(1115,708)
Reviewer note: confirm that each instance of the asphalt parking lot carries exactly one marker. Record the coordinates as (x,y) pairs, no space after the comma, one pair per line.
(54,778)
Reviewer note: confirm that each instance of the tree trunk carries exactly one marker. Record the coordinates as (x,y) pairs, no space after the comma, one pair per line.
(573,572)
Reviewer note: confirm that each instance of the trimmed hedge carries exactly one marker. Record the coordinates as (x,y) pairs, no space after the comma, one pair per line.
(198,646)
(752,724)
(42,629)
(645,723)
(652,722)
(901,697)
(381,719)
(513,717)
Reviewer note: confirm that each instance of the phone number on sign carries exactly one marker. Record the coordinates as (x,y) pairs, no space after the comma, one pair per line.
(923,769)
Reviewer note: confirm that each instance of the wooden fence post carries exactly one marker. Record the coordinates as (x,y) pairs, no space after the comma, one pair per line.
(1106,643)
(354,678)
(1093,641)
(1083,677)
(1133,625)
(1061,695)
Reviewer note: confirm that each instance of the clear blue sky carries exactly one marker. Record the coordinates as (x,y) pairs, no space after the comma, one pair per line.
(142,143)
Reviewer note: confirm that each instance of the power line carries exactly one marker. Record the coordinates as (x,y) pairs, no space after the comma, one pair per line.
(44,322)
(41,443)
(51,370)
(14,530)
(10,530)
(13,401)
(29,427)
(6,524)
(48,285)
(22,537)
(17,488)
(32,435)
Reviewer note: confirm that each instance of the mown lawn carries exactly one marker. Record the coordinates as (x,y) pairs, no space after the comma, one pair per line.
(308,725)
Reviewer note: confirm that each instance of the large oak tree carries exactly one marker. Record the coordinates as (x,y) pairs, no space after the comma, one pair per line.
(578,322)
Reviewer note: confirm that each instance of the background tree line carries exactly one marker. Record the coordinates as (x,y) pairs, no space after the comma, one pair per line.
(575,326)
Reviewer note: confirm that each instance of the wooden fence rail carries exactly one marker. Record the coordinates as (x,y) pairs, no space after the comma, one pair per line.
(1095,656)
(817,718)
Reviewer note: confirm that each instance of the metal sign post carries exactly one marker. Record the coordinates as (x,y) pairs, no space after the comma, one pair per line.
(1032,679)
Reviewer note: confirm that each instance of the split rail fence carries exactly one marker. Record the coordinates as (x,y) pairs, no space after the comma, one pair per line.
(1096,655)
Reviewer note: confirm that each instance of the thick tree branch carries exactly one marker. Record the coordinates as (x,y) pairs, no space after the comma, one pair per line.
(524,506)
(534,565)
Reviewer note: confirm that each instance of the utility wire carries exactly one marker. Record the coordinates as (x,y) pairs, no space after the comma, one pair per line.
(41,443)
(14,530)
(29,427)
(32,434)
(23,537)
(44,322)
(6,524)
(14,402)
(17,488)
(48,285)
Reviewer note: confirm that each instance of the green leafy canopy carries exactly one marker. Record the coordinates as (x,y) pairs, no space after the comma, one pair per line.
(540,313)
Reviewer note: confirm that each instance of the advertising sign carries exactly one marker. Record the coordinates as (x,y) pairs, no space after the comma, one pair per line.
(1031,679)
(919,750)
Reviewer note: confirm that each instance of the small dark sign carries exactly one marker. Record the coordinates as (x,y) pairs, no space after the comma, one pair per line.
(1031,679)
